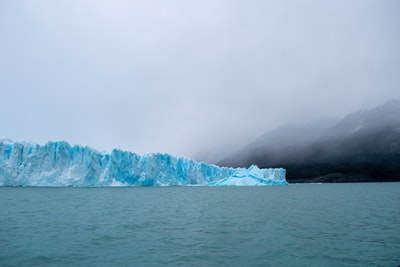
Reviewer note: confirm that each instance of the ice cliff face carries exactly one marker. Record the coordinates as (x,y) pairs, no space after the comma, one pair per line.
(60,164)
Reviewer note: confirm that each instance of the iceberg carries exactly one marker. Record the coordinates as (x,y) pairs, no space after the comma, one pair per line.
(60,164)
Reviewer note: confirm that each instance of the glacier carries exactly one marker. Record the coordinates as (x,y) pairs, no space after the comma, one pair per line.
(61,164)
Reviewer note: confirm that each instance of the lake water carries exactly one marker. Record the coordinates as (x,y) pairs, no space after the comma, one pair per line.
(295,225)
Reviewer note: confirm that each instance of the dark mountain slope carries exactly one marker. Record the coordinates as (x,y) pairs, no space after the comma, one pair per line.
(364,146)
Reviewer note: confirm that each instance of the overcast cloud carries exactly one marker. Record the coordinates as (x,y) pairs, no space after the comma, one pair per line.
(186,76)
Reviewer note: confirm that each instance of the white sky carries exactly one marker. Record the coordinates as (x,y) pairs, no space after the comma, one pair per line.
(186,76)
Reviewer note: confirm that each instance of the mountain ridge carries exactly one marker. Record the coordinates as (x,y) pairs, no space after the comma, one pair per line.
(363,146)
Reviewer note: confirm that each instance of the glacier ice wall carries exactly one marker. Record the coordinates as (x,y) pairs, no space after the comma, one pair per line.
(60,164)
(253,176)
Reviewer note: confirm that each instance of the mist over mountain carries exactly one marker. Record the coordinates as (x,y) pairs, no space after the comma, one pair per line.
(363,146)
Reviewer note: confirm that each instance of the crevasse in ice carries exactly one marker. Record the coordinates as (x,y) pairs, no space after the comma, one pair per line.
(60,164)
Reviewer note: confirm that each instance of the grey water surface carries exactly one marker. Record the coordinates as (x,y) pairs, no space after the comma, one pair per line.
(295,225)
